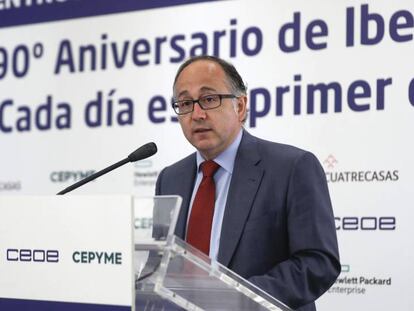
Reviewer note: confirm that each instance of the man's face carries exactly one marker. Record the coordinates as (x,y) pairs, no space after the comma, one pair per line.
(210,131)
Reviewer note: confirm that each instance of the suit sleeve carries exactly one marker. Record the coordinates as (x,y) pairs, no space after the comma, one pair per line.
(313,263)
(158,190)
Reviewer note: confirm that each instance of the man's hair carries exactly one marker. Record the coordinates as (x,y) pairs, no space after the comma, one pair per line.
(233,77)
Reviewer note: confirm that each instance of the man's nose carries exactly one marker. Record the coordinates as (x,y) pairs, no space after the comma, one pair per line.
(198,113)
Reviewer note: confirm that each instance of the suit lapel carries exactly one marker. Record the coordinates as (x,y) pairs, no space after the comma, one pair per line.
(245,182)
(185,188)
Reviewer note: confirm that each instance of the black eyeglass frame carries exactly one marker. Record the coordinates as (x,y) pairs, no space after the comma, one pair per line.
(194,101)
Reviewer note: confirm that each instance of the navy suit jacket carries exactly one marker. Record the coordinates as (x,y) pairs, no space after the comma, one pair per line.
(278,228)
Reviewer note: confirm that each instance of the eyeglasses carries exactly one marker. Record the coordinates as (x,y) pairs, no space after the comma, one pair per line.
(206,102)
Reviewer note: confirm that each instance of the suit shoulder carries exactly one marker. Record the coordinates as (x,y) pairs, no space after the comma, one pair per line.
(280,151)
(180,165)
(171,177)
(287,158)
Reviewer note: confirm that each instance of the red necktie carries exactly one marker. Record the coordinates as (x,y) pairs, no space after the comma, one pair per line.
(201,218)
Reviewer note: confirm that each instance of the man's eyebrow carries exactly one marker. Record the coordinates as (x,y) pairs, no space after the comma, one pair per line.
(182,93)
(202,89)
(206,88)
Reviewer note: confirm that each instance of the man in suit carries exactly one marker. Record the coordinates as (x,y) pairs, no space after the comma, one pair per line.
(271,220)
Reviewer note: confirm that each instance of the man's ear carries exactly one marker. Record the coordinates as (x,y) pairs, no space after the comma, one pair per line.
(241,108)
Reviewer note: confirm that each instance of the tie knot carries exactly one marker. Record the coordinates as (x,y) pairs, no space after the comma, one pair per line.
(209,168)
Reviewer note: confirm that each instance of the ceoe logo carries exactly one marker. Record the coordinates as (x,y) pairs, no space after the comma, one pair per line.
(32,255)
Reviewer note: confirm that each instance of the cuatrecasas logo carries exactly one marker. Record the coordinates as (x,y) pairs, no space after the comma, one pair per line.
(335,174)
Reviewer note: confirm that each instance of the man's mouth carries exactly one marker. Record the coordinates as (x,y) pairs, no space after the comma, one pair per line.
(201,130)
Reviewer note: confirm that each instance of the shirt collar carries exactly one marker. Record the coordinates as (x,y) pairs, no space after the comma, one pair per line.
(227,157)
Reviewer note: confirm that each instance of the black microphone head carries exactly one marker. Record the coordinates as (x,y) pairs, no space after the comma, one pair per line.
(143,152)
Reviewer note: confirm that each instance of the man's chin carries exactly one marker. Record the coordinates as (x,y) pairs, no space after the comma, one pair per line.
(205,147)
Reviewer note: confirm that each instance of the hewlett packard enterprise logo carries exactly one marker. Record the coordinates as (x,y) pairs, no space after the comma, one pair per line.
(358,284)
(145,174)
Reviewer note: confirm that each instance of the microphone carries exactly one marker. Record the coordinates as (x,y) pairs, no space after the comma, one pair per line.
(142,152)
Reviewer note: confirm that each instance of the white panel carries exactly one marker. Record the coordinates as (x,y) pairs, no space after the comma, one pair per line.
(68,249)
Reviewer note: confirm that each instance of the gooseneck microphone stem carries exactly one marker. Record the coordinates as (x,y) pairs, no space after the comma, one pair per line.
(93,176)
(142,152)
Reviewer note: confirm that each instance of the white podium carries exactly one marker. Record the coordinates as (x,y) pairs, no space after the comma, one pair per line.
(110,253)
